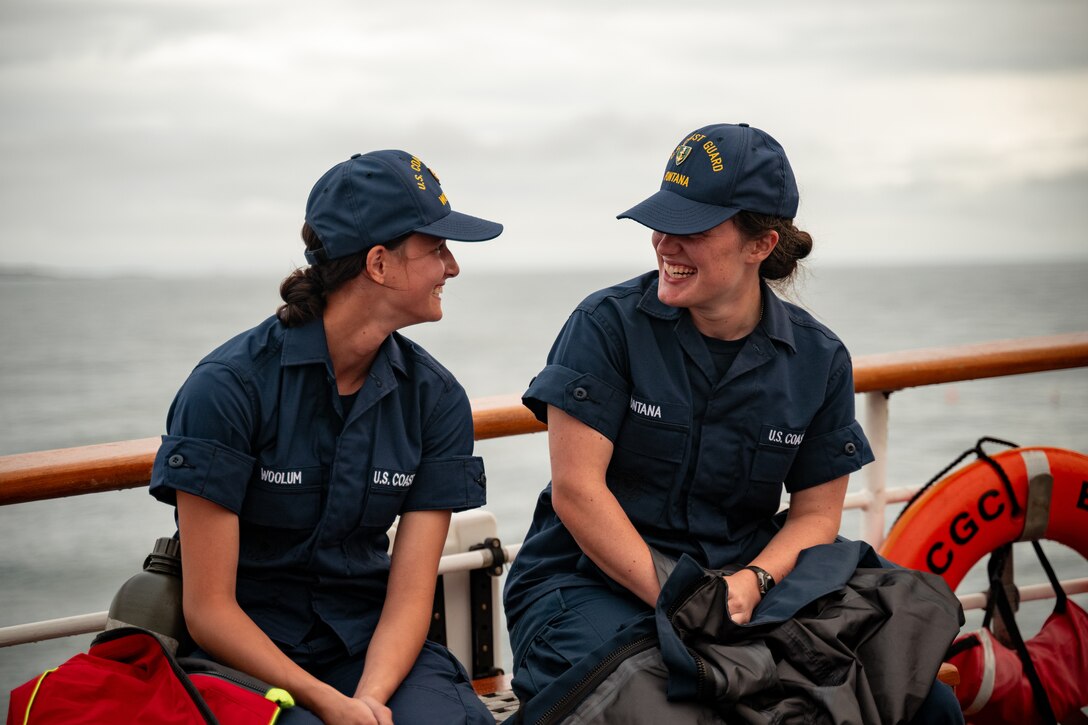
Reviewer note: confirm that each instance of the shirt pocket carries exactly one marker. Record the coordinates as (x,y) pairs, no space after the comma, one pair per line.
(387,490)
(771,465)
(646,459)
(775,452)
(278,518)
(285,505)
(660,441)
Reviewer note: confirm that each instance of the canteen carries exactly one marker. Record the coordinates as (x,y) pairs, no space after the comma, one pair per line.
(151,599)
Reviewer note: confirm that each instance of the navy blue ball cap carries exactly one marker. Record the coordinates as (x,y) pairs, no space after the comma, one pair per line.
(376,197)
(715,172)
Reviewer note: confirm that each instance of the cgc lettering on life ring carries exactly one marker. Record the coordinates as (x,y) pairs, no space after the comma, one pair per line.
(968,514)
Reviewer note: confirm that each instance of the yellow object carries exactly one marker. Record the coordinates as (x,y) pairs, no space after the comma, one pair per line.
(280,696)
(30,703)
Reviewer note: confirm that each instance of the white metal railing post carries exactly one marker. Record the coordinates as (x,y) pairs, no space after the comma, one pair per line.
(876,473)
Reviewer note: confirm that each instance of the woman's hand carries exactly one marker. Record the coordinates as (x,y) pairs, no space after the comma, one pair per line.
(353,711)
(382,714)
(814,517)
(743,595)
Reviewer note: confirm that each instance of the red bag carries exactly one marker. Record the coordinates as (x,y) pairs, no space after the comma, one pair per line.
(996,687)
(128,677)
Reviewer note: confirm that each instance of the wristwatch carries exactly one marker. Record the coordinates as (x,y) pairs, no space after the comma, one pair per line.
(764,580)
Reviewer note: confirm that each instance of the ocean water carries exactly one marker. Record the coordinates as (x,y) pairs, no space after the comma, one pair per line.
(88,361)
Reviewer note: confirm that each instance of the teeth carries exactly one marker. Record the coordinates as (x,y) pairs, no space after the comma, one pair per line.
(676,270)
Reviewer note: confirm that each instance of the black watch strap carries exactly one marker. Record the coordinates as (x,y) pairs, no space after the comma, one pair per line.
(764,580)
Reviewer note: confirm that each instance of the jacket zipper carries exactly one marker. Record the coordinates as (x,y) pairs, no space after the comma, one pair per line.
(593,677)
(700,675)
(700,665)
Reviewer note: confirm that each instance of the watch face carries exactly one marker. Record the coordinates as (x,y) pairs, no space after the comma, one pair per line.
(763,579)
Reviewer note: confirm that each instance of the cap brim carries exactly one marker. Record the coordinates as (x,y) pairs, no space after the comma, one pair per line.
(671,213)
(462,228)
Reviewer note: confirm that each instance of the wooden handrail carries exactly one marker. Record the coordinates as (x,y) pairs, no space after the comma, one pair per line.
(503,415)
(912,368)
(127,464)
(73,471)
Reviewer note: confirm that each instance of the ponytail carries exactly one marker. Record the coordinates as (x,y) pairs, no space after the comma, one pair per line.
(305,291)
(793,243)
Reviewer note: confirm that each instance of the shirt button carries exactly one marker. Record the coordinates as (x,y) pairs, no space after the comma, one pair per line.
(580,394)
(482,479)
(378,382)
(850,448)
(175,461)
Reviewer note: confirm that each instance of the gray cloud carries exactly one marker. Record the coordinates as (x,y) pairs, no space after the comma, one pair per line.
(184,136)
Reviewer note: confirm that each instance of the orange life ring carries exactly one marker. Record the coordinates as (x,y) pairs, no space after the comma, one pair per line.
(967,514)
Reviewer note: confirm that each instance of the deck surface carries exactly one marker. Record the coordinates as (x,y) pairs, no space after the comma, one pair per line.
(495,692)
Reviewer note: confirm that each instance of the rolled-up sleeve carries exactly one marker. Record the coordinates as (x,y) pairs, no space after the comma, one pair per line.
(449,476)
(455,483)
(835,444)
(206,451)
(583,377)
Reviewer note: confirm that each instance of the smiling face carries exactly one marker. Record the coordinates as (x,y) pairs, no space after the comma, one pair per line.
(422,265)
(714,274)
(697,270)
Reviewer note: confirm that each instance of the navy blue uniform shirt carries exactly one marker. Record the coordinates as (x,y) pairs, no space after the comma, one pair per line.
(258,429)
(699,459)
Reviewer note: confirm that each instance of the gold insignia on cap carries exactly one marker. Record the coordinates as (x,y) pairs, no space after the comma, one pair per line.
(682,153)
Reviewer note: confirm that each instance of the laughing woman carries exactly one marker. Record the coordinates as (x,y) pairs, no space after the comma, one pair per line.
(291,449)
(678,405)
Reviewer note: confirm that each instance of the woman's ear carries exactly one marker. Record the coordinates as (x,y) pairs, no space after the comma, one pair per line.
(377,262)
(761,247)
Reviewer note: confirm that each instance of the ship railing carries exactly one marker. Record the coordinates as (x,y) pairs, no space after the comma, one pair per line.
(127,464)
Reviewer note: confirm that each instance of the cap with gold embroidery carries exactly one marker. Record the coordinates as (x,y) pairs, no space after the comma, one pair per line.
(374,198)
(715,172)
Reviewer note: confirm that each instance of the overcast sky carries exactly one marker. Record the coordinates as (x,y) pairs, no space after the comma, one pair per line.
(183,135)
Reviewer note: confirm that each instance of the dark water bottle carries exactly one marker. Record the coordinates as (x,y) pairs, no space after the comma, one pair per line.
(152,598)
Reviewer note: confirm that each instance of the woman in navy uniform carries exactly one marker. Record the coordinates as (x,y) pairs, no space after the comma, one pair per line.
(292,448)
(678,405)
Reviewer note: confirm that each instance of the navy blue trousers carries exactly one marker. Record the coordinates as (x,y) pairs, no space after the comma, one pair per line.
(436,690)
(562,627)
